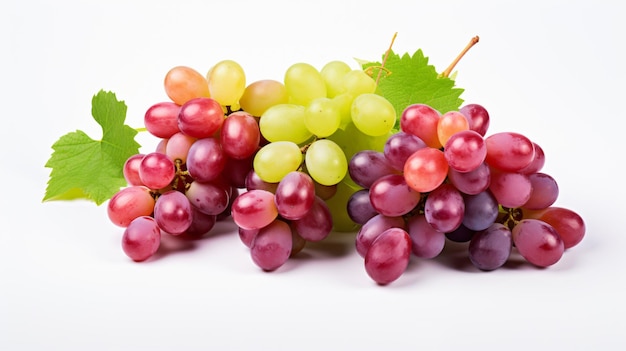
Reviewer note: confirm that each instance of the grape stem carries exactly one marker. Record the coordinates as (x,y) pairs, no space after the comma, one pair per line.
(448,70)
(382,66)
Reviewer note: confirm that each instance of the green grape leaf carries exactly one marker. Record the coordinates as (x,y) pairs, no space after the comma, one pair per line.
(409,79)
(83,168)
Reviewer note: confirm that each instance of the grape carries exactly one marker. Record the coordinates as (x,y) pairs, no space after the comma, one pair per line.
(325,191)
(326,162)
(399,147)
(209,198)
(444,208)
(130,203)
(297,242)
(367,166)
(489,249)
(316,224)
(538,242)
(295,195)
(426,241)
(184,83)
(421,120)
(372,114)
(161,119)
(177,147)
(357,82)
(265,164)
(567,223)
(201,223)
(426,169)
(477,116)
(472,182)
(240,135)
(388,256)
(449,124)
(284,122)
(247,235)
(373,228)
(333,74)
(391,196)
(343,105)
(304,83)
(200,117)
(263,94)
(141,238)
(254,209)
(465,151)
(236,170)
(131,169)
(322,117)
(206,160)
(461,234)
(227,82)
(537,163)
(161,146)
(481,211)
(509,152)
(173,212)
(360,207)
(253,181)
(544,191)
(338,208)
(272,245)
(156,170)
(510,189)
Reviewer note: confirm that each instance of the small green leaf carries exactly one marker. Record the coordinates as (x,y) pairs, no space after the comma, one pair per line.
(83,168)
(410,79)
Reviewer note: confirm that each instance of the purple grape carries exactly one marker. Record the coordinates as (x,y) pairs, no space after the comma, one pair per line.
(481,211)
(489,249)
(360,208)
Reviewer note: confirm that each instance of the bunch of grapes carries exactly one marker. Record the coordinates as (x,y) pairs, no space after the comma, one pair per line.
(440,178)
(272,154)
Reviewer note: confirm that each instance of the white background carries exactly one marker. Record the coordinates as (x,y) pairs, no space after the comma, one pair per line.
(552,70)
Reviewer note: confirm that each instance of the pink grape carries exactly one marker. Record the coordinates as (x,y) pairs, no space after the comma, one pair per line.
(510,189)
(509,152)
(537,163)
(177,147)
(240,135)
(253,181)
(399,147)
(538,242)
(477,116)
(444,208)
(131,169)
(421,120)
(208,198)
(472,182)
(316,224)
(173,212)
(206,160)
(201,223)
(373,228)
(295,195)
(141,239)
(426,241)
(161,119)
(465,151)
(388,256)
(567,223)
(426,169)
(271,247)
(156,170)
(200,117)
(130,203)
(247,235)
(391,196)
(254,209)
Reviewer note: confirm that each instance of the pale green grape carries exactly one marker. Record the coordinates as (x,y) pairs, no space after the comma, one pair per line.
(304,83)
(322,117)
(227,82)
(351,140)
(373,114)
(326,162)
(343,102)
(338,206)
(333,73)
(357,82)
(274,160)
(284,122)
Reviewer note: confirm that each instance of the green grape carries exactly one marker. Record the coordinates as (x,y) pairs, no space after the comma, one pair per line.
(333,73)
(373,114)
(351,140)
(338,206)
(284,122)
(322,117)
(357,82)
(326,162)
(274,160)
(227,82)
(304,83)
(343,102)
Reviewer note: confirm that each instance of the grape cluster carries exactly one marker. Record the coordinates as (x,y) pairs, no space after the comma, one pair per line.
(272,154)
(440,178)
